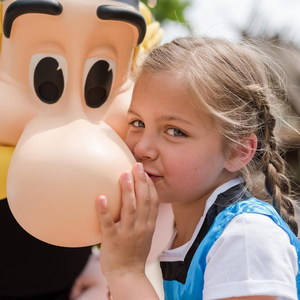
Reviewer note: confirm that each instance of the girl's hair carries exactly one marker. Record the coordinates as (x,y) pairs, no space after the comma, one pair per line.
(236,84)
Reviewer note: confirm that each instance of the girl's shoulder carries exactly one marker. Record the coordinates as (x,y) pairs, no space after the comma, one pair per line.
(253,251)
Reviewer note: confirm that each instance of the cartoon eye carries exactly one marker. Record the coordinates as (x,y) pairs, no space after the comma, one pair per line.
(99,74)
(48,73)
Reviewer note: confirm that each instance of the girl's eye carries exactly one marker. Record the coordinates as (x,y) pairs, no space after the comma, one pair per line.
(176,132)
(137,123)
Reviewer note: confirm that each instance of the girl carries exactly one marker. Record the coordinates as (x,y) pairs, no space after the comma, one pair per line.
(202,127)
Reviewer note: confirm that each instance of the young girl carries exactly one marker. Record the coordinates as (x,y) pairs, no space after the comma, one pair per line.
(202,127)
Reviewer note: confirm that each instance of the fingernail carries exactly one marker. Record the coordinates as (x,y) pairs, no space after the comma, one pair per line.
(140,167)
(128,177)
(103,200)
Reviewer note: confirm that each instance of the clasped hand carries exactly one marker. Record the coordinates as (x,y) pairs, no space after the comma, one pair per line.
(126,244)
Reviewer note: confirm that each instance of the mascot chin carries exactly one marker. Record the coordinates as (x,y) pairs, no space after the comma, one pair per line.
(65,90)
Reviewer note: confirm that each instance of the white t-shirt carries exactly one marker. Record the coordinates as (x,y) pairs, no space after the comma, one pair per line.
(253,256)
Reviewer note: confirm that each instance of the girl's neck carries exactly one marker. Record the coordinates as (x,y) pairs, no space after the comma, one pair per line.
(186,219)
(187,215)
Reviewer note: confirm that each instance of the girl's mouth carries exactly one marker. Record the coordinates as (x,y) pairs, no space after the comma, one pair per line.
(154,177)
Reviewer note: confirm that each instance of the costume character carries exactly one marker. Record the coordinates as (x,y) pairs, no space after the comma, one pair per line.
(63,102)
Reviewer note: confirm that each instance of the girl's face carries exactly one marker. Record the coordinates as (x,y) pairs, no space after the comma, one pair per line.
(177,144)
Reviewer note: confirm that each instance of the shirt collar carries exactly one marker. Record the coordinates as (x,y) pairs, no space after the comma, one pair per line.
(221,189)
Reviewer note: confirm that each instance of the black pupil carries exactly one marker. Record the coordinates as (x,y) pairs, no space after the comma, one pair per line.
(48,80)
(98,84)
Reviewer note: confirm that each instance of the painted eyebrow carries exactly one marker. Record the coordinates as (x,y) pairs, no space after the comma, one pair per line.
(124,14)
(21,7)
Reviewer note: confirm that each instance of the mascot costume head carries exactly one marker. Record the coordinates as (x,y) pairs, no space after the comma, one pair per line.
(65,91)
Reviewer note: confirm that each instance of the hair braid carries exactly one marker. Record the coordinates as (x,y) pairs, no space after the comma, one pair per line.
(273,166)
(267,158)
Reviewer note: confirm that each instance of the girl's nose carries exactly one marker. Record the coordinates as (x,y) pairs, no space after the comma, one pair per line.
(146,148)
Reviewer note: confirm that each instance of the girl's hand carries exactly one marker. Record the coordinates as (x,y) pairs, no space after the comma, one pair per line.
(126,244)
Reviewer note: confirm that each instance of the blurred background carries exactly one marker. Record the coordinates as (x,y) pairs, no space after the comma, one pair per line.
(276,22)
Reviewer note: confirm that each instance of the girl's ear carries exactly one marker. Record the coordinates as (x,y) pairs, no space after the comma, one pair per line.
(242,153)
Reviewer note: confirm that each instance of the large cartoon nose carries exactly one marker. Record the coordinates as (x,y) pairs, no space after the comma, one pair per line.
(65,157)
(58,170)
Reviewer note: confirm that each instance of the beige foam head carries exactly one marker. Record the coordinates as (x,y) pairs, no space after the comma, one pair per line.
(63,78)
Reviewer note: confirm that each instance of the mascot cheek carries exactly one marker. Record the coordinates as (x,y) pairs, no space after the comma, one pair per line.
(64,169)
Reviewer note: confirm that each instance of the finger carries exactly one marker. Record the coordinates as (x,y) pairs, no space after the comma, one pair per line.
(128,211)
(76,289)
(142,193)
(154,203)
(74,293)
(108,226)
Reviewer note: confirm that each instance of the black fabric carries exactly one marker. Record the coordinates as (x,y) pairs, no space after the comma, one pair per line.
(31,269)
(21,7)
(177,270)
(124,14)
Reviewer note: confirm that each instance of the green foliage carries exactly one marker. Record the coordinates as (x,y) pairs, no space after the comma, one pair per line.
(169,9)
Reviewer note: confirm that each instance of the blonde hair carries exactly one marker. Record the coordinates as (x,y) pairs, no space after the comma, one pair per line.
(235,84)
